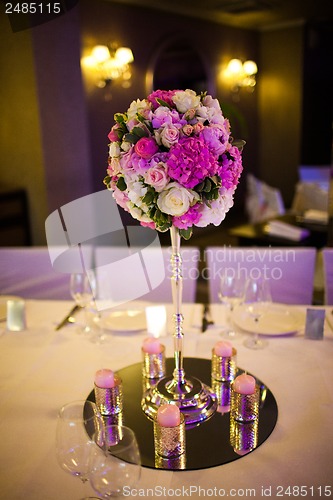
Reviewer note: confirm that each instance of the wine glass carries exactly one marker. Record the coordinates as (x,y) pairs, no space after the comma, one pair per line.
(116,466)
(230,294)
(83,290)
(257,297)
(76,424)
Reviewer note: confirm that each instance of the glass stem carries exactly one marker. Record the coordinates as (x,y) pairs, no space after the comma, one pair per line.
(177,292)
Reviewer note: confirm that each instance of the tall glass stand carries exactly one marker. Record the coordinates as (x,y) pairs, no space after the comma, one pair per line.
(196,401)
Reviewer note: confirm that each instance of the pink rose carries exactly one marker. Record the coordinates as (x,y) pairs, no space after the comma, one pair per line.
(167,135)
(152,225)
(198,127)
(187,129)
(113,136)
(121,198)
(157,177)
(146,147)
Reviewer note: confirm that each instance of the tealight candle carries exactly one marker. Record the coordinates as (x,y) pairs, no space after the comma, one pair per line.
(224,361)
(168,415)
(151,346)
(108,391)
(104,379)
(223,348)
(245,398)
(245,384)
(169,431)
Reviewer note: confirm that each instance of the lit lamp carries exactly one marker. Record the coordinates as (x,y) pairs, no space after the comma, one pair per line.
(241,75)
(111,63)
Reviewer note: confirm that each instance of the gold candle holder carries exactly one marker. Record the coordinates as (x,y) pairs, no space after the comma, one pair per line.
(110,400)
(244,407)
(223,393)
(243,436)
(154,364)
(169,441)
(224,367)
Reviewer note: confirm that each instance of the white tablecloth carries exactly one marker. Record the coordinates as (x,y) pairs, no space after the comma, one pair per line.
(41,369)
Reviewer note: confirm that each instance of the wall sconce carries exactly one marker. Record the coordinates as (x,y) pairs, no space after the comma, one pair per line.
(110,63)
(241,75)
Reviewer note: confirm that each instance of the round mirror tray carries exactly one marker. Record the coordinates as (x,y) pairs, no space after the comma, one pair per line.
(216,441)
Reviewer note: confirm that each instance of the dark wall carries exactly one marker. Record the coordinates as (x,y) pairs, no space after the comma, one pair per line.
(317,119)
(146,31)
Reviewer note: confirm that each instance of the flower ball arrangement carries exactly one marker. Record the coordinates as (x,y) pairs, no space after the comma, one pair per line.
(172,161)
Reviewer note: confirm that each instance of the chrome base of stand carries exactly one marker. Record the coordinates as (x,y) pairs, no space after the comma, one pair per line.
(196,401)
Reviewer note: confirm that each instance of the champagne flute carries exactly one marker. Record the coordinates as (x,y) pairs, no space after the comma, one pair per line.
(83,290)
(257,297)
(76,424)
(115,466)
(230,294)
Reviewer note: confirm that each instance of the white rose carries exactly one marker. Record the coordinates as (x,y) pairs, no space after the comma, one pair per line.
(114,166)
(136,191)
(216,213)
(211,103)
(138,214)
(126,146)
(185,100)
(210,114)
(114,149)
(176,200)
(137,107)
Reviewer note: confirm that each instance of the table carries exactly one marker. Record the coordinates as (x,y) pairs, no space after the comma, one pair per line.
(41,369)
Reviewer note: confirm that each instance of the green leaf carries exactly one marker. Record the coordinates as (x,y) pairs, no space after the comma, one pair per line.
(186,233)
(199,187)
(239,143)
(121,184)
(120,117)
(107,180)
(140,132)
(164,227)
(216,179)
(132,138)
(208,185)
(149,197)
(163,103)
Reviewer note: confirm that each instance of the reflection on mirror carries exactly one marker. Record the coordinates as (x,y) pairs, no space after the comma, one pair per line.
(178,66)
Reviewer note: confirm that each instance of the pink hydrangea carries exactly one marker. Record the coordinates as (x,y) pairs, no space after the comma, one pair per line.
(230,167)
(165,95)
(189,219)
(190,162)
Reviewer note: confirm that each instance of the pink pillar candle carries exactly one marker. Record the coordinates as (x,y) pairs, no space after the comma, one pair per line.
(245,384)
(223,348)
(104,379)
(168,415)
(151,346)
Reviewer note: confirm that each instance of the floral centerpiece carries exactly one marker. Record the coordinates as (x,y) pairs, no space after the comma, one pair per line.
(172,161)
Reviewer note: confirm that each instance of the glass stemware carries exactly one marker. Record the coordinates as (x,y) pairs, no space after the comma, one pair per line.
(257,297)
(77,423)
(83,290)
(116,466)
(230,294)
